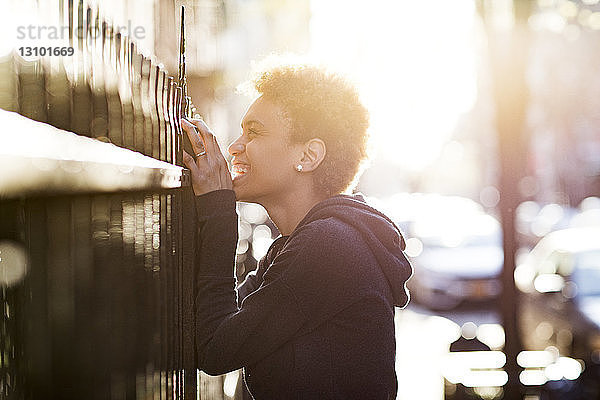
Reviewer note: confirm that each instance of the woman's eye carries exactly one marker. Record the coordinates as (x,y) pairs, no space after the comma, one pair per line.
(252,132)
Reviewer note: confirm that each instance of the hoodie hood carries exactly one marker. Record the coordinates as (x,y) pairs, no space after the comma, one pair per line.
(379,232)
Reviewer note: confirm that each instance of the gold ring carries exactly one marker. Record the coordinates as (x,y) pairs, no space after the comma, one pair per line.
(202,153)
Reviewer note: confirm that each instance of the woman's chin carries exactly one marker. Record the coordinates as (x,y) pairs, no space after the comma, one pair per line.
(238,193)
(247,190)
(240,190)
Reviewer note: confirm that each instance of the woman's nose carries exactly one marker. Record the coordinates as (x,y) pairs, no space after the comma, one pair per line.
(236,147)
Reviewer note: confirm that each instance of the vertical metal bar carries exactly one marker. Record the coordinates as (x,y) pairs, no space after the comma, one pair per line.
(165,299)
(186,102)
(9,83)
(155,312)
(58,94)
(125,91)
(160,108)
(66,344)
(178,129)
(80,29)
(70,19)
(138,113)
(147,295)
(7,367)
(117,276)
(99,122)
(68,253)
(145,96)
(172,310)
(31,89)
(36,342)
(127,295)
(176,223)
(12,354)
(102,280)
(171,118)
(188,241)
(81,106)
(153,78)
(178,107)
(113,100)
(138,300)
(81,257)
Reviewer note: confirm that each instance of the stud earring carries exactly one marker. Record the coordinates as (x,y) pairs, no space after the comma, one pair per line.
(299,167)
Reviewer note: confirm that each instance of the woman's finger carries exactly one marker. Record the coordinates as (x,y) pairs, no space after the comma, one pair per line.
(202,127)
(198,143)
(222,167)
(189,162)
(226,179)
(210,142)
(207,135)
(220,160)
(214,159)
(217,159)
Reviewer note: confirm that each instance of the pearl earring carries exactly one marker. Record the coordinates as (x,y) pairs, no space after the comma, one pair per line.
(299,167)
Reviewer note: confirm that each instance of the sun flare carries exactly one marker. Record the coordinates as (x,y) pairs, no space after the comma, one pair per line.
(414,63)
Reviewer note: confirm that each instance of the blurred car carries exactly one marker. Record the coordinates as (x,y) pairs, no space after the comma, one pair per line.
(534,220)
(559,281)
(461,254)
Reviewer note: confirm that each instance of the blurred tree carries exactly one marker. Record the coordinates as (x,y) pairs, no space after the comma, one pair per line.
(506,25)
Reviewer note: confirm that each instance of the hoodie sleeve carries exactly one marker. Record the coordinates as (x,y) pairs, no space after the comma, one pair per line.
(228,336)
(251,282)
(255,278)
(303,285)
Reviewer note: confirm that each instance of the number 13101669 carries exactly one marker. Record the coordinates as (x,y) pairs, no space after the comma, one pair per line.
(46,51)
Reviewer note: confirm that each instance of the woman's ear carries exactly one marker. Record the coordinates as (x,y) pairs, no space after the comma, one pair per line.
(313,154)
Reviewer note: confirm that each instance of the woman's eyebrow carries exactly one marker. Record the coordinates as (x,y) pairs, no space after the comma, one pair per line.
(250,122)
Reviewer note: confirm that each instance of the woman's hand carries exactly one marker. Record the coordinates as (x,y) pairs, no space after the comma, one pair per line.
(210,170)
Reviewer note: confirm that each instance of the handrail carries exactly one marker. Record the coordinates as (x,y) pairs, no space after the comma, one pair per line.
(39,159)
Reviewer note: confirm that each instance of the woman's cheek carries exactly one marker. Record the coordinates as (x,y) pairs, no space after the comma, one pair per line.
(250,149)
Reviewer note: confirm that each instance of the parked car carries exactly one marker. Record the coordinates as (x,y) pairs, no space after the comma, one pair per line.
(461,258)
(534,220)
(559,281)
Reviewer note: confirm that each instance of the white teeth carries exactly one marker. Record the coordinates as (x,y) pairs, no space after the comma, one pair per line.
(240,169)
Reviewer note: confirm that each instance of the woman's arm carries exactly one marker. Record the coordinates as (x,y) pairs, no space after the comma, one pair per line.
(229,337)
(251,282)
(303,286)
(255,278)
(215,262)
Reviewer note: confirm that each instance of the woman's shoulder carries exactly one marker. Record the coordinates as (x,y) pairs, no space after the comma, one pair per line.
(329,237)
(329,228)
(328,256)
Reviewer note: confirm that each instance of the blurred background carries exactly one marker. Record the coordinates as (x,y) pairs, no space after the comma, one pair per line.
(485,125)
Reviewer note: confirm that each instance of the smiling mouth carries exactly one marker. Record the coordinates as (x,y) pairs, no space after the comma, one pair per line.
(240,170)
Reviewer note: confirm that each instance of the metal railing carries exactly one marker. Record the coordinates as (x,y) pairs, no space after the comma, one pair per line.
(97,240)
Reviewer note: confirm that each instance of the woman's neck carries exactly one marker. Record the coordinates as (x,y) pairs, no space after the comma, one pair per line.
(287,213)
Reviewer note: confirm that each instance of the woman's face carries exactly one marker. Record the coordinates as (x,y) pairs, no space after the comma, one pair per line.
(263,157)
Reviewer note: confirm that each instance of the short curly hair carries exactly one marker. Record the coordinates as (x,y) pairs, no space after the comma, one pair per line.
(321,104)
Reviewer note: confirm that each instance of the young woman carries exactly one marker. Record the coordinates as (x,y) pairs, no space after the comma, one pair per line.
(316,319)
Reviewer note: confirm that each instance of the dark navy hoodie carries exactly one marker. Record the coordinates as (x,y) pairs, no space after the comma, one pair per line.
(316,319)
